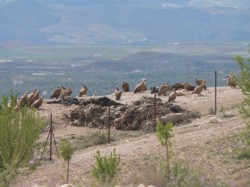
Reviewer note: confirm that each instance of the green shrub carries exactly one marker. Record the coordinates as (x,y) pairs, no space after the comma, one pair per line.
(19,130)
(244,83)
(106,168)
(164,133)
(66,151)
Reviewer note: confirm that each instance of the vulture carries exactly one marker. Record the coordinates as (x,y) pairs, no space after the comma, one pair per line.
(163,89)
(198,90)
(172,96)
(66,92)
(37,103)
(83,91)
(56,93)
(125,86)
(23,100)
(145,86)
(200,81)
(118,93)
(178,86)
(32,96)
(189,87)
(141,86)
(231,81)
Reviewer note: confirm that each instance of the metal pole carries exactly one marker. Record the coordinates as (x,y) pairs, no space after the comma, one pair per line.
(50,132)
(109,125)
(215,93)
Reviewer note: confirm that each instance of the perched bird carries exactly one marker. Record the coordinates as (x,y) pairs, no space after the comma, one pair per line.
(163,89)
(125,86)
(56,93)
(23,100)
(172,95)
(66,91)
(178,86)
(118,93)
(83,91)
(145,86)
(94,94)
(189,87)
(37,103)
(31,97)
(141,86)
(198,90)
(200,81)
(231,81)
(36,95)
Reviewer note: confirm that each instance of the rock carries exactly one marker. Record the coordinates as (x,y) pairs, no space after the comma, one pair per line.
(68,185)
(174,117)
(213,119)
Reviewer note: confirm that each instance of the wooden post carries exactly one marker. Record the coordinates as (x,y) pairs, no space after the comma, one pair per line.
(50,136)
(215,93)
(50,141)
(109,124)
(155,108)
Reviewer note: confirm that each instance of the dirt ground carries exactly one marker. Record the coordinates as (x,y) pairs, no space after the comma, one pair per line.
(196,142)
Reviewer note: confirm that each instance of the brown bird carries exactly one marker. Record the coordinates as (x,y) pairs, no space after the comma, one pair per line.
(23,100)
(37,103)
(200,81)
(125,86)
(66,92)
(198,90)
(231,81)
(141,86)
(31,97)
(189,87)
(178,86)
(172,95)
(36,95)
(163,89)
(145,86)
(56,93)
(118,93)
(83,91)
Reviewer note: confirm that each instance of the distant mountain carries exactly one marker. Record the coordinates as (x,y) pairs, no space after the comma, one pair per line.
(124,22)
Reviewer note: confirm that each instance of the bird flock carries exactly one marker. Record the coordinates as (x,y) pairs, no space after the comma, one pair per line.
(34,100)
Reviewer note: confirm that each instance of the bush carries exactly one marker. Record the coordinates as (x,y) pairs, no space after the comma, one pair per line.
(106,168)
(244,83)
(67,152)
(19,131)
(181,175)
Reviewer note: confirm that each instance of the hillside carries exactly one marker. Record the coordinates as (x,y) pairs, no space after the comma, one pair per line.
(207,143)
(123,22)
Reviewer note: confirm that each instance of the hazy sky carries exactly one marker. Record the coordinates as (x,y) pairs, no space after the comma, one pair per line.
(224,3)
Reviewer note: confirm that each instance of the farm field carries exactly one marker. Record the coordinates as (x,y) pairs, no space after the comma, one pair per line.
(101,68)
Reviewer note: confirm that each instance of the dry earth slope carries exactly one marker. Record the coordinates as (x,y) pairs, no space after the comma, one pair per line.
(196,142)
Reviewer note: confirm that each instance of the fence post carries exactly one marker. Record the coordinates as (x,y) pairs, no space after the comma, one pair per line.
(215,92)
(109,123)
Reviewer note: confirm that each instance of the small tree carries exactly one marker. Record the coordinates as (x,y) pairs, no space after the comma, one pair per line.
(164,133)
(67,152)
(19,130)
(106,168)
(244,83)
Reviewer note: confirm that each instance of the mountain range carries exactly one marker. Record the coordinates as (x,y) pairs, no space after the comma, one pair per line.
(124,22)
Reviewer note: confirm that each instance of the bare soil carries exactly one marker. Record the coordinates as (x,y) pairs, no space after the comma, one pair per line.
(205,142)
